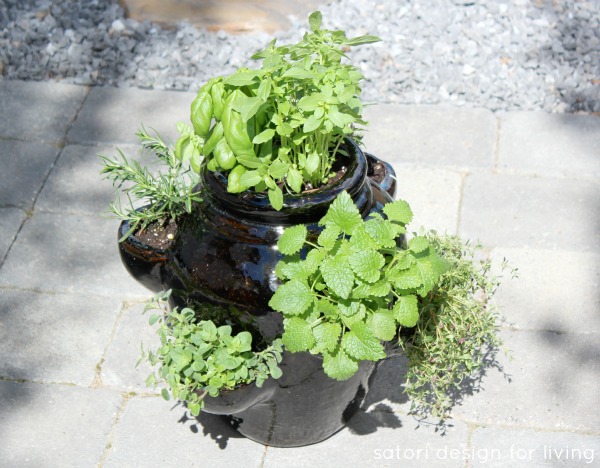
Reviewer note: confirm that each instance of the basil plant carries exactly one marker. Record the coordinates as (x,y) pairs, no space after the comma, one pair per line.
(278,128)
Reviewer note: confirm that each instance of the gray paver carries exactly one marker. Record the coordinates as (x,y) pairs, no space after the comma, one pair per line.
(119,368)
(559,145)
(75,184)
(113,115)
(69,254)
(500,447)
(38,111)
(378,439)
(555,290)
(387,390)
(547,389)
(53,338)
(25,166)
(10,223)
(152,433)
(511,211)
(54,425)
(444,136)
(433,195)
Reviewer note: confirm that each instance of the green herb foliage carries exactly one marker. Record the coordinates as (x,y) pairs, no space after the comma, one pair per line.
(353,286)
(168,194)
(199,358)
(279,128)
(456,333)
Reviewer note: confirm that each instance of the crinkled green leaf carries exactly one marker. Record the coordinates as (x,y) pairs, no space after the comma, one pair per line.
(343,213)
(410,278)
(367,264)
(381,231)
(418,244)
(327,336)
(298,335)
(398,211)
(327,309)
(361,240)
(379,289)
(338,365)
(292,239)
(328,237)
(361,343)
(338,275)
(406,310)
(382,324)
(292,298)
(348,308)
(404,259)
(429,267)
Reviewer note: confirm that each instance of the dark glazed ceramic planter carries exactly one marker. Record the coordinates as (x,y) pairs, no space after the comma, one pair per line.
(222,263)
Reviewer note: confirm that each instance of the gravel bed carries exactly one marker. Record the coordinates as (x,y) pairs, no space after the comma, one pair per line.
(496,54)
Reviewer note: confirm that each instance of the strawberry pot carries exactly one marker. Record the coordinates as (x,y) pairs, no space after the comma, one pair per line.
(222,262)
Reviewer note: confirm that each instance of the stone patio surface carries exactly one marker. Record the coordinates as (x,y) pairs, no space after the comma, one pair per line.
(526,184)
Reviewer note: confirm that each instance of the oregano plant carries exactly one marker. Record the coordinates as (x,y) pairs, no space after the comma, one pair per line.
(352,287)
(279,128)
(199,358)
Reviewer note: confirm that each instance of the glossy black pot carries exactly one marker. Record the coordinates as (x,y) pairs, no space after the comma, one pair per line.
(222,262)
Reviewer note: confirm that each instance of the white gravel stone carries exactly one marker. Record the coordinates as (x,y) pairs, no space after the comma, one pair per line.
(518,55)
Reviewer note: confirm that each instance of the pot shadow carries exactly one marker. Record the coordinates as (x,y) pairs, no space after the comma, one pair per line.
(219,428)
(387,398)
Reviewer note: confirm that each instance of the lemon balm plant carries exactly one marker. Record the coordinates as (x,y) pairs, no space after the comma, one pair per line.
(279,128)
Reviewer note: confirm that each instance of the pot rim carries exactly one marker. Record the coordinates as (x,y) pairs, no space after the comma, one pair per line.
(249,203)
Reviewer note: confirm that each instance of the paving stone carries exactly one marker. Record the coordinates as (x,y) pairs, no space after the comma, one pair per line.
(38,111)
(433,195)
(378,439)
(75,184)
(54,425)
(25,167)
(119,368)
(500,447)
(431,135)
(10,223)
(155,433)
(114,115)
(558,145)
(552,384)
(53,338)
(511,211)
(69,253)
(387,388)
(555,290)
